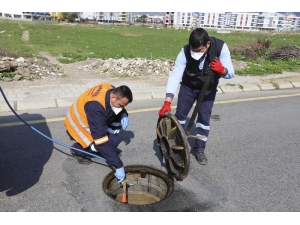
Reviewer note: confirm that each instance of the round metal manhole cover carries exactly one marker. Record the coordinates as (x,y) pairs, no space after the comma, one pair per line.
(173,145)
(143,186)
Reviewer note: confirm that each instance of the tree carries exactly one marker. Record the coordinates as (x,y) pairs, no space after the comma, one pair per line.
(143,18)
(70,16)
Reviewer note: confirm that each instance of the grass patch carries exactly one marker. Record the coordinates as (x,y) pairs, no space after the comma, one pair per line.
(229,84)
(11,39)
(270,67)
(6,74)
(121,75)
(79,42)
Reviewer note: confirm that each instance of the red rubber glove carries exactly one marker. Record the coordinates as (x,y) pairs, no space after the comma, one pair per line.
(166,108)
(217,66)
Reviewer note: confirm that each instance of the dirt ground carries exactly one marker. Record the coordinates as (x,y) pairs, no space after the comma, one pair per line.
(72,68)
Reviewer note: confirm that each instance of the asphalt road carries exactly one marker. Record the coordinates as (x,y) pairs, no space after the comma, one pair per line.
(253,160)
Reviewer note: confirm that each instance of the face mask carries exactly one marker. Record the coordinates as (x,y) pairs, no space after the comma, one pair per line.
(197,55)
(115,109)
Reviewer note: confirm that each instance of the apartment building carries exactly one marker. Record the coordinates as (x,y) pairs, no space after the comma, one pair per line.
(15,15)
(211,19)
(183,19)
(288,21)
(26,15)
(92,16)
(278,22)
(295,25)
(252,21)
(239,20)
(107,17)
(270,21)
(195,16)
(168,19)
(153,19)
(123,17)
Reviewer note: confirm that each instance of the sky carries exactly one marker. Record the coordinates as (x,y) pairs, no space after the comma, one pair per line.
(147,6)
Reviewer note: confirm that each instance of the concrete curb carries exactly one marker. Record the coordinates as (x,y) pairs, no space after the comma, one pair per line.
(296,84)
(37,97)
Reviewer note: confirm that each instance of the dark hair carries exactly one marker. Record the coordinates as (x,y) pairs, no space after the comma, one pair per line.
(198,37)
(123,92)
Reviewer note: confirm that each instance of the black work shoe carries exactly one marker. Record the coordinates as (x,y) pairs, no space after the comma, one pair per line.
(200,156)
(81,159)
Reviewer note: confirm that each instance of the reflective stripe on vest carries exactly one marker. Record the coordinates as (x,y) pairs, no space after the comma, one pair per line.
(76,120)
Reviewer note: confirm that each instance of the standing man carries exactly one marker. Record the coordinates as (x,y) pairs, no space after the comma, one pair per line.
(94,121)
(194,63)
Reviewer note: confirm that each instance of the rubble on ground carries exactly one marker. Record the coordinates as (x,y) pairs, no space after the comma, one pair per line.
(136,67)
(27,68)
(129,67)
(33,68)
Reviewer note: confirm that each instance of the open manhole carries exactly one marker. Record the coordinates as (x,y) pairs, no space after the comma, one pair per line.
(144,186)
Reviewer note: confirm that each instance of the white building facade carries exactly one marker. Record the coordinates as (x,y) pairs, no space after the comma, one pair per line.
(270,21)
(221,20)
(211,19)
(295,22)
(26,15)
(183,20)
(242,20)
(107,17)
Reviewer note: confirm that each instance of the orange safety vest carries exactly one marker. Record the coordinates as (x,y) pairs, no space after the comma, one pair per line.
(76,120)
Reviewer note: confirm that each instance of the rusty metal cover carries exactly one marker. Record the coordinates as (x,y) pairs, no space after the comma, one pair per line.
(173,145)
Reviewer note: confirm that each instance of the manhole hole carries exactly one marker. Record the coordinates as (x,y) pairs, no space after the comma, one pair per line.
(144,186)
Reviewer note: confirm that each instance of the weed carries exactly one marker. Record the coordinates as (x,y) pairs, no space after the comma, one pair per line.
(8,53)
(229,84)
(121,75)
(292,84)
(105,70)
(221,89)
(6,74)
(275,85)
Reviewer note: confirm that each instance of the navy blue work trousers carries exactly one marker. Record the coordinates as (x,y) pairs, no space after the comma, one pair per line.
(186,98)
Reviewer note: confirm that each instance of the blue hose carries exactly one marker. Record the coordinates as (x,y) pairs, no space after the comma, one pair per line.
(57,142)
